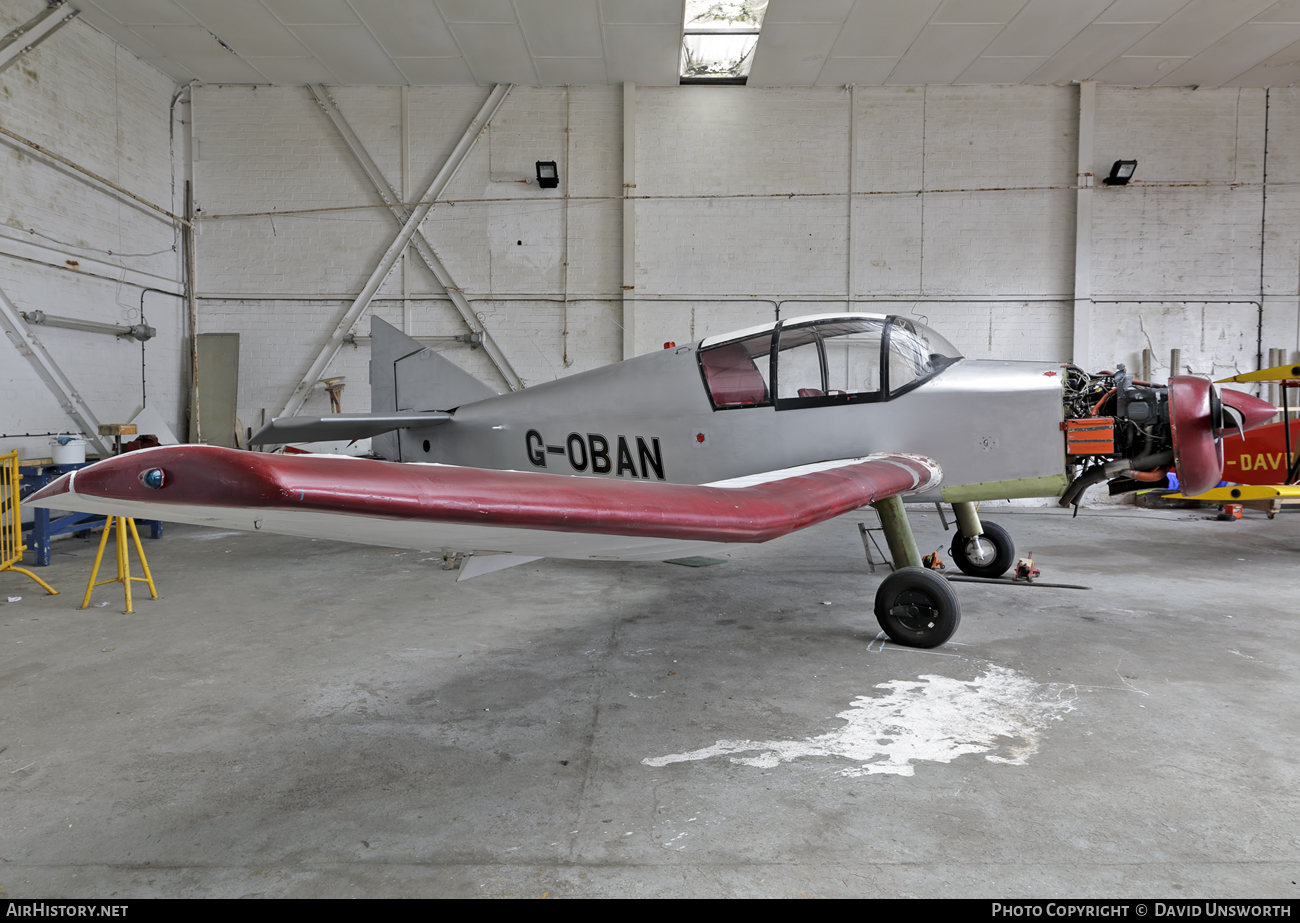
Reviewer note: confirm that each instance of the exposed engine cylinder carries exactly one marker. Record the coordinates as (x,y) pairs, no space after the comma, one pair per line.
(1132,433)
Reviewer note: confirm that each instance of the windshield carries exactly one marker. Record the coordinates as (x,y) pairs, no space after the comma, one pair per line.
(824,361)
(915,353)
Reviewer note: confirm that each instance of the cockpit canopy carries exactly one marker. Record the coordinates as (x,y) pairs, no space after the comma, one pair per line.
(822,361)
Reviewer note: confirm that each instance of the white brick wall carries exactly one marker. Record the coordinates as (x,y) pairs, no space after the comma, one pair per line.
(1282,237)
(992,269)
(716,263)
(257,152)
(86,98)
(1201,241)
(716,248)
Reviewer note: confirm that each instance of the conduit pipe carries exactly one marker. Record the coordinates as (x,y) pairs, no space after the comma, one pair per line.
(139,332)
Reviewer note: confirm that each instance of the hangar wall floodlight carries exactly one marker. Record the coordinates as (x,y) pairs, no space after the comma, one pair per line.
(548,174)
(1121,173)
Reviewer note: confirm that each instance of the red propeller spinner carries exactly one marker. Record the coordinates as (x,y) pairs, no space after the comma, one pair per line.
(1197,420)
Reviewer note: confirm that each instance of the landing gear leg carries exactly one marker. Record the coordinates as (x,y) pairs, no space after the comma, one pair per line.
(898,533)
(916,607)
(980,549)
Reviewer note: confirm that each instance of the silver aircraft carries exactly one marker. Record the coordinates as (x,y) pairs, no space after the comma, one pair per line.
(732,439)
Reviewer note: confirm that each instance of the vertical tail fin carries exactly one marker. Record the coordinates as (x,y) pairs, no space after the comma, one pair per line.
(405,375)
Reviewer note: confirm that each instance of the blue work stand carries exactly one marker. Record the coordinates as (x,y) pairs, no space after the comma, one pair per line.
(37,536)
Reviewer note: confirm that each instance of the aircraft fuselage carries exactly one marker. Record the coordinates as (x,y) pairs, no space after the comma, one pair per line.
(994,427)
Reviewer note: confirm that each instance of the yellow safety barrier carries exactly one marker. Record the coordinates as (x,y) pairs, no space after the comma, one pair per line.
(121,523)
(11,521)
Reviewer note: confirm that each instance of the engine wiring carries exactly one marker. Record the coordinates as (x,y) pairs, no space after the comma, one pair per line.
(1139,431)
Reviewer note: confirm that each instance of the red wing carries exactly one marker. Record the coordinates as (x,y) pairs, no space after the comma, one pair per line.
(751,509)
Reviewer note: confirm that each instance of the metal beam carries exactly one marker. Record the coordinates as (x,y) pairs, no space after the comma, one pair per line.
(1083,229)
(412,223)
(63,390)
(853,162)
(401,214)
(629,220)
(405,165)
(126,195)
(86,265)
(422,247)
(376,176)
(34,31)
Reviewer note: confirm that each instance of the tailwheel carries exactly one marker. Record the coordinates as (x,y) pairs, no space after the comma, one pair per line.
(988,555)
(917,608)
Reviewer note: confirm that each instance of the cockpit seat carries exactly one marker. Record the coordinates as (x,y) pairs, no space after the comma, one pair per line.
(732,376)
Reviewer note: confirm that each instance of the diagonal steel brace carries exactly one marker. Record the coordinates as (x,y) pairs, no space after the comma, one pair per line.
(34,31)
(417,214)
(60,386)
(409,219)
(421,243)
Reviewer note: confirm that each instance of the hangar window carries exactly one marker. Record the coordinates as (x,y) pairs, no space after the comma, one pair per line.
(737,374)
(718,40)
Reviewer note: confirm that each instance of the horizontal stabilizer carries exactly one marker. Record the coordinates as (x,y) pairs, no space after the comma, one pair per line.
(342,426)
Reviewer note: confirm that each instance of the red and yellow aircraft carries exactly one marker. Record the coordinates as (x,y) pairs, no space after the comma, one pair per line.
(1262,466)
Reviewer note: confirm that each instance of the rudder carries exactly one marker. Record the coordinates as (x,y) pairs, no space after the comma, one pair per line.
(406,375)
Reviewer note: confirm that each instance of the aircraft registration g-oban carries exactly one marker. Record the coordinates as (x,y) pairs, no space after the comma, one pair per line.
(738,438)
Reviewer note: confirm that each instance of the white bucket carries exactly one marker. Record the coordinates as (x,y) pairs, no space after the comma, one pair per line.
(69,452)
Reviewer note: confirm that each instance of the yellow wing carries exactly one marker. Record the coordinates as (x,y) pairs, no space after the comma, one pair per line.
(1276,373)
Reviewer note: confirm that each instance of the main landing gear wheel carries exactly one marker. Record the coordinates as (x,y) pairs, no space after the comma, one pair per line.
(987,555)
(917,608)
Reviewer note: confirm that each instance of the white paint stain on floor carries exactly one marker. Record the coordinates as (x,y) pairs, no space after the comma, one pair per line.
(1000,714)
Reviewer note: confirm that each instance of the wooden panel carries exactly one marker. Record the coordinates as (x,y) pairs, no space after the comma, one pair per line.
(218,388)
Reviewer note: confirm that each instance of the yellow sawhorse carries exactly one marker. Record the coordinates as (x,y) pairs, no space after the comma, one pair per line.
(121,523)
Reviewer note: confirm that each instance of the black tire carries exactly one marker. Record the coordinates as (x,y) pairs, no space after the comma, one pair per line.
(917,608)
(1004,552)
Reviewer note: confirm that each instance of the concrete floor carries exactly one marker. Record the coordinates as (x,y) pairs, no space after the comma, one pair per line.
(299,718)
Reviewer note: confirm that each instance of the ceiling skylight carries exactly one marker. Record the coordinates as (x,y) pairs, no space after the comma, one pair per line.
(719,38)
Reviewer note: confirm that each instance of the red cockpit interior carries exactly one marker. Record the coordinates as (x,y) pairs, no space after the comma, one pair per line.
(732,376)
